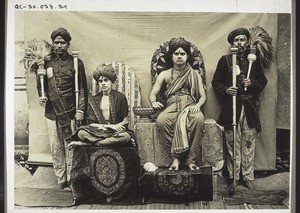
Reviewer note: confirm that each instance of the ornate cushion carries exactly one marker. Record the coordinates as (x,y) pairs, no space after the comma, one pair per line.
(177,187)
(106,175)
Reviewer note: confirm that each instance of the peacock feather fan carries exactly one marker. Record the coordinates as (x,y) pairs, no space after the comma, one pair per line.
(262,42)
(36,53)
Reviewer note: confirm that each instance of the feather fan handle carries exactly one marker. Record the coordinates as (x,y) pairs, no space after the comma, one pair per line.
(262,42)
(36,53)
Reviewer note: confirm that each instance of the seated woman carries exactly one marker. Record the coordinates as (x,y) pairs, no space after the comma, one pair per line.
(107,115)
(105,163)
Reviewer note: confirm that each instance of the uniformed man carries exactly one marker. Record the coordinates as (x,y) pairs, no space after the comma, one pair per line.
(59,101)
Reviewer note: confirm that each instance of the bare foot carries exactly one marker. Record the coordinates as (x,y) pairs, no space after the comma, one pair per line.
(78,143)
(175,165)
(193,167)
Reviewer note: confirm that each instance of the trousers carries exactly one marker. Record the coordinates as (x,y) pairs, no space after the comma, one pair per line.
(61,155)
(245,149)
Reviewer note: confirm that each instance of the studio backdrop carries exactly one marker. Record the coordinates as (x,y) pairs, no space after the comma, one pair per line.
(132,38)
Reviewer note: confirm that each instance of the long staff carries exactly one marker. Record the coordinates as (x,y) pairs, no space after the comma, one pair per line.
(234,52)
(75,54)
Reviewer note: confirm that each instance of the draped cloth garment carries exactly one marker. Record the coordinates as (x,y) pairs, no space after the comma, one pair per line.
(118,111)
(179,128)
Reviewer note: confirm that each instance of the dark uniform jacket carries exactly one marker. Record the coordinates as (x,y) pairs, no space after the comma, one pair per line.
(222,80)
(64,74)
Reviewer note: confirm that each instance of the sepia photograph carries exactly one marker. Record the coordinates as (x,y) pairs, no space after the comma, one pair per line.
(149,110)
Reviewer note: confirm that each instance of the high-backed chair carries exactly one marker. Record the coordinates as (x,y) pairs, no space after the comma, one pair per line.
(109,174)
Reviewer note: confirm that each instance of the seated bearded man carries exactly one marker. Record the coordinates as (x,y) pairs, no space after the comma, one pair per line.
(181,122)
(107,115)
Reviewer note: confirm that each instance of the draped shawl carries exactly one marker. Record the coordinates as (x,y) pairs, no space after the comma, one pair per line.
(187,79)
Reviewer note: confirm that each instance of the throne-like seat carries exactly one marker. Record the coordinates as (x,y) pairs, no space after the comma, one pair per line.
(109,174)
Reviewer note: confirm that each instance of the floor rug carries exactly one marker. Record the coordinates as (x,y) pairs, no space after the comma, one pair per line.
(270,190)
(257,197)
(36,197)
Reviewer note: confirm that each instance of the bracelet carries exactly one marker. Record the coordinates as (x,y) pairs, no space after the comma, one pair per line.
(80,111)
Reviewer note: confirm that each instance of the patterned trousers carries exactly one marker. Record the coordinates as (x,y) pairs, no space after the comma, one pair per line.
(61,155)
(245,149)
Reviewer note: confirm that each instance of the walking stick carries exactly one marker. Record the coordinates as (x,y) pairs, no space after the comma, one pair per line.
(234,52)
(75,54)
(251,59)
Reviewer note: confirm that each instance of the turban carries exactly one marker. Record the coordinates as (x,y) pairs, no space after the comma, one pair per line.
(106,71)
(236,32)
(61,32)
(175,43)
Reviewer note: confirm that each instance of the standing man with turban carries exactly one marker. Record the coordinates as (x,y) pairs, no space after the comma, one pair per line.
(248,123)
(181,121)
(60,104)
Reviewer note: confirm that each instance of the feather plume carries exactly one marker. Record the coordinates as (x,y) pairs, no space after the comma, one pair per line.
(36,53)
(262,42)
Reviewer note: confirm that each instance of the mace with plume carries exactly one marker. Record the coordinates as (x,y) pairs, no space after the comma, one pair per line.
(36,53)
(261,48)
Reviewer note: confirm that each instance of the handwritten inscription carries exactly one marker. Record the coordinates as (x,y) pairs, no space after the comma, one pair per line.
(41,7)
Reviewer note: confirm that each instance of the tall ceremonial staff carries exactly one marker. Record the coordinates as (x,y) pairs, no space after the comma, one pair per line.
(234,52)
(75,54)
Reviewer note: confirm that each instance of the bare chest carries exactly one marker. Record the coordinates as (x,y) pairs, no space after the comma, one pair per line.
(169,77)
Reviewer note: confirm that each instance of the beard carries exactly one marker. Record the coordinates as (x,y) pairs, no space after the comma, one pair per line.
(243,49)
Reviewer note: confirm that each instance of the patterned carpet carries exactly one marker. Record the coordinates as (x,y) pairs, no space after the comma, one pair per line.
(40,191)
(43,181)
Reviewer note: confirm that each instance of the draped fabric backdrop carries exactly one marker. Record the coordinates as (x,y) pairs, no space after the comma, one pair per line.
(132,37)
